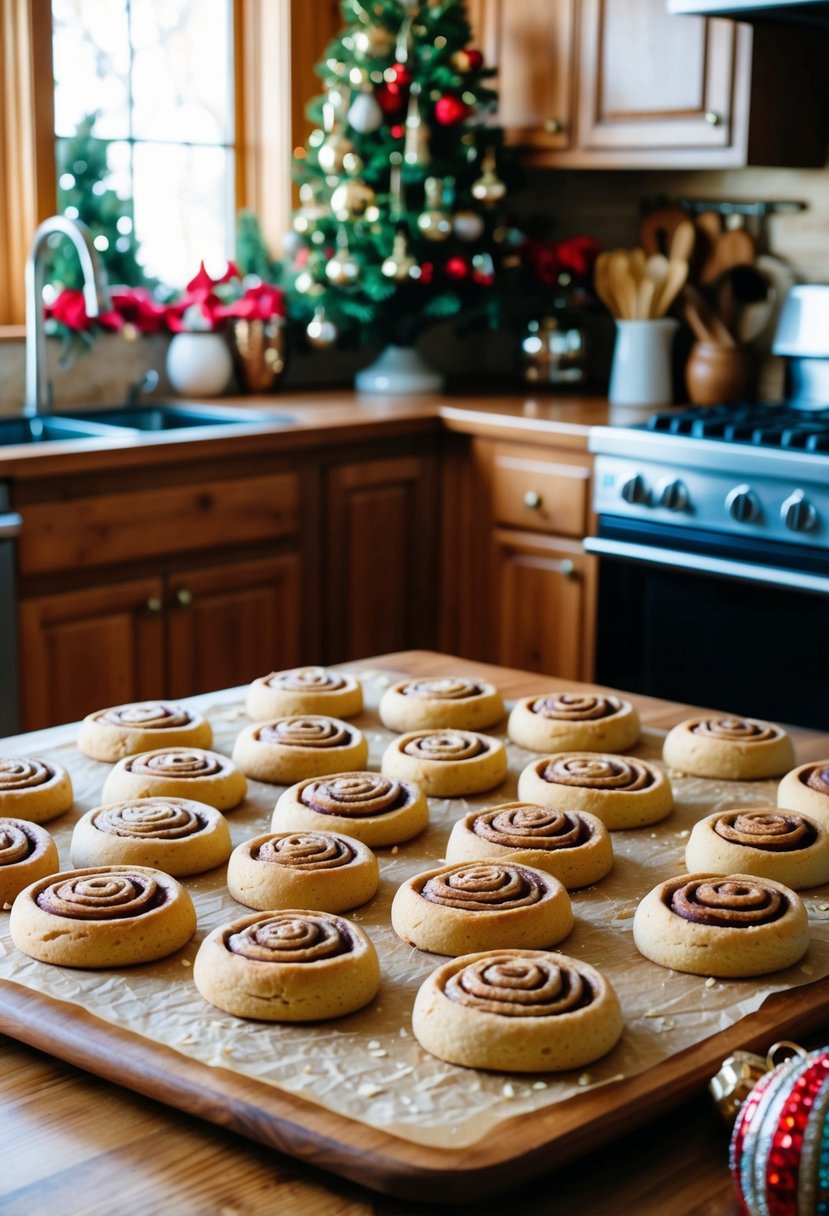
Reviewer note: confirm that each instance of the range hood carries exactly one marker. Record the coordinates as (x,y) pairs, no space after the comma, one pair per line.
(793,12)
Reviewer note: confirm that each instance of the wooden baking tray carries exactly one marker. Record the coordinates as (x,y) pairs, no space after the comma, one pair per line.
(528,1146)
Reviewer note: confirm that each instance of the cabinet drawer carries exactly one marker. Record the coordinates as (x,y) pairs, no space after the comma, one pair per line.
(108,528)
(543,495)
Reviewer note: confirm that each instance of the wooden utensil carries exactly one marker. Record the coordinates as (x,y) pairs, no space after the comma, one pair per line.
(622,284)
(658,227)
(682,241)
(734,248)
(715,329)
(675,280)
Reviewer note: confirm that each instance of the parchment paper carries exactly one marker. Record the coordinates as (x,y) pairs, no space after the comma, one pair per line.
(368,1066)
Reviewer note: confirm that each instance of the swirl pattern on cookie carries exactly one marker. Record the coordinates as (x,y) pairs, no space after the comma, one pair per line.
(447,763)
(177,835)
(317,731)
(377,810)
(287,966)
(439,703)
(177,772)
(321,870)
(27,852)
(577,720)
(517,1010)
(154,715)
(289,749)
(304,690)
(85,918)
(33,789)
(722,925)
(769,842)
(124,730)
(481,905)
(622,791)
(731,747)
(571,845)
(806,789)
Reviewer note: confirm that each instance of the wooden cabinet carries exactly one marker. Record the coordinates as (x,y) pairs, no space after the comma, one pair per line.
(129,593)
(380,555)
(623,83)
(517,586)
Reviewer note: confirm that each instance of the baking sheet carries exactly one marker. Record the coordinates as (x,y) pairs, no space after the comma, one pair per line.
(368,1067)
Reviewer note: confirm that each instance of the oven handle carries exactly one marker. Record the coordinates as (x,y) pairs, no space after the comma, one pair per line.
(11,525)
(765,575)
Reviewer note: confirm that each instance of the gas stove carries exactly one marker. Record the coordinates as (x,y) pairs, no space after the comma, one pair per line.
(758,471)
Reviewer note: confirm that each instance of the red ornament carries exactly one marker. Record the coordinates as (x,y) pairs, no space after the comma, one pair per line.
(475,57)
(390,98)
(483,278)
(456,268)
(402,75)
(450,110)
(427,273)
(397,131)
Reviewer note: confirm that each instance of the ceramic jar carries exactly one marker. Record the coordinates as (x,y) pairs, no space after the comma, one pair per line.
(719,375)
(199,364)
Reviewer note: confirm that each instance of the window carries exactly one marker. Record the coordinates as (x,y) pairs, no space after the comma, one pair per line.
(158,77)
(275,44)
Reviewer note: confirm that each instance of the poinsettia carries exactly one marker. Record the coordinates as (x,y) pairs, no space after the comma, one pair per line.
(69,309)
(261,302)
(207,303)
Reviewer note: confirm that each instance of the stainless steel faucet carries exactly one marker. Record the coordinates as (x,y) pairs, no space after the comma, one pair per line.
(38,390)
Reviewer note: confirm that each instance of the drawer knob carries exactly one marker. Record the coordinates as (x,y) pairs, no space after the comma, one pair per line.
(532,500)
(184,597)
(713,118)
(567,568)
(154,605)
(553,126)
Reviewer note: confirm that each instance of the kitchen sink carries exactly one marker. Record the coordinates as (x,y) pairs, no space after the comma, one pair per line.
(48,429)
(171,417)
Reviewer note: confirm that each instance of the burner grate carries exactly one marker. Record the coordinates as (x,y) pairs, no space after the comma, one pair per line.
(771,426)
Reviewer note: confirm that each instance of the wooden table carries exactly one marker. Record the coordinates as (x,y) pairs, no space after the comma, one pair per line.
(74,1143)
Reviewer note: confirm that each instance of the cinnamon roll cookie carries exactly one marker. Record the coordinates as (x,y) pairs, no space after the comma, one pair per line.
(731,926)
(33,789)
(517,1011)
(573,846)
(27,852)
(289,749)
(784,845)
(291,966)
(177,772)
(433,704)
(577,721)
(447,763)
(621,791)
(176,835)
(125,730)
(737,749)
(321,870)
(481,906)
(806,789)
(304,690)
(106,916)
(368,806)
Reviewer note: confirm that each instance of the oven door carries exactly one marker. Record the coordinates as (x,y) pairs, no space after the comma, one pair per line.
(724,622)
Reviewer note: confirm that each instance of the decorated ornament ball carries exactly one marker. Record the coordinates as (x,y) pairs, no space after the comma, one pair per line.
(468,225)
(450,110)
(779,1156)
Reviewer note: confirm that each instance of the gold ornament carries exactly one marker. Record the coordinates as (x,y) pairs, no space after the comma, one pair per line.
(434,220)
(373,42)
(333,152)
(307,285)
(489,189)
(416,141)
(343,269)
(351,199)
(400,263)
(460,61)
(320,332)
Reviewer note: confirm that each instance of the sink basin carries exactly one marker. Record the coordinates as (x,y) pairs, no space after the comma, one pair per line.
(164,417)
(48,430)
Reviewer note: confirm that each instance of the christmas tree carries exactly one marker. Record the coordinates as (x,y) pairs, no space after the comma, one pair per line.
(83,194)
(399,185)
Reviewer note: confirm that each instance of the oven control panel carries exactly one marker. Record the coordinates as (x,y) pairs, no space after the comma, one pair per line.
(762,506)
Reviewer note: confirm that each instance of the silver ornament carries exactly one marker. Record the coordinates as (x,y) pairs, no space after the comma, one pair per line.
(468,225)
(364,114)
(320,332)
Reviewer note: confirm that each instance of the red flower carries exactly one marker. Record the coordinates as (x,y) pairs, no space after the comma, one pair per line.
(69,309)
(543,261)
(136,306)
(259,303)
(578,255)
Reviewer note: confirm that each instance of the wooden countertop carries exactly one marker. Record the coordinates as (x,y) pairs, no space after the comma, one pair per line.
(316,418)
(73,1142)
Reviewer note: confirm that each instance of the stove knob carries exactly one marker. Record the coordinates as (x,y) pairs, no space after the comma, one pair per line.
(743,504)
(634,489)
(673,494)
(797,513)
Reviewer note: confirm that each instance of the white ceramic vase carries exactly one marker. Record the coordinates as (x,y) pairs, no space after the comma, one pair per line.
(640,374)
(199,364)
(398,370)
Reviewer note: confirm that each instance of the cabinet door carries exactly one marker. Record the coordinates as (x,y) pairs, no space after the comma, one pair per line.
(532,44)
(379,577)
(85,650)
(228,624)
(652,80)
(544,590)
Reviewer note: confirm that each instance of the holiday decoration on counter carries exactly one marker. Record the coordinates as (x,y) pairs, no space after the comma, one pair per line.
(779,1156)
(396,226)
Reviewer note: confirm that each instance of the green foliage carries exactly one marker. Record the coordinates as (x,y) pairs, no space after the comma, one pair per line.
(252,254)
(415,63)
(82,168)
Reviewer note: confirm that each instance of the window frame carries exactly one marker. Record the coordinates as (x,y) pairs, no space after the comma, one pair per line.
(276,44)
